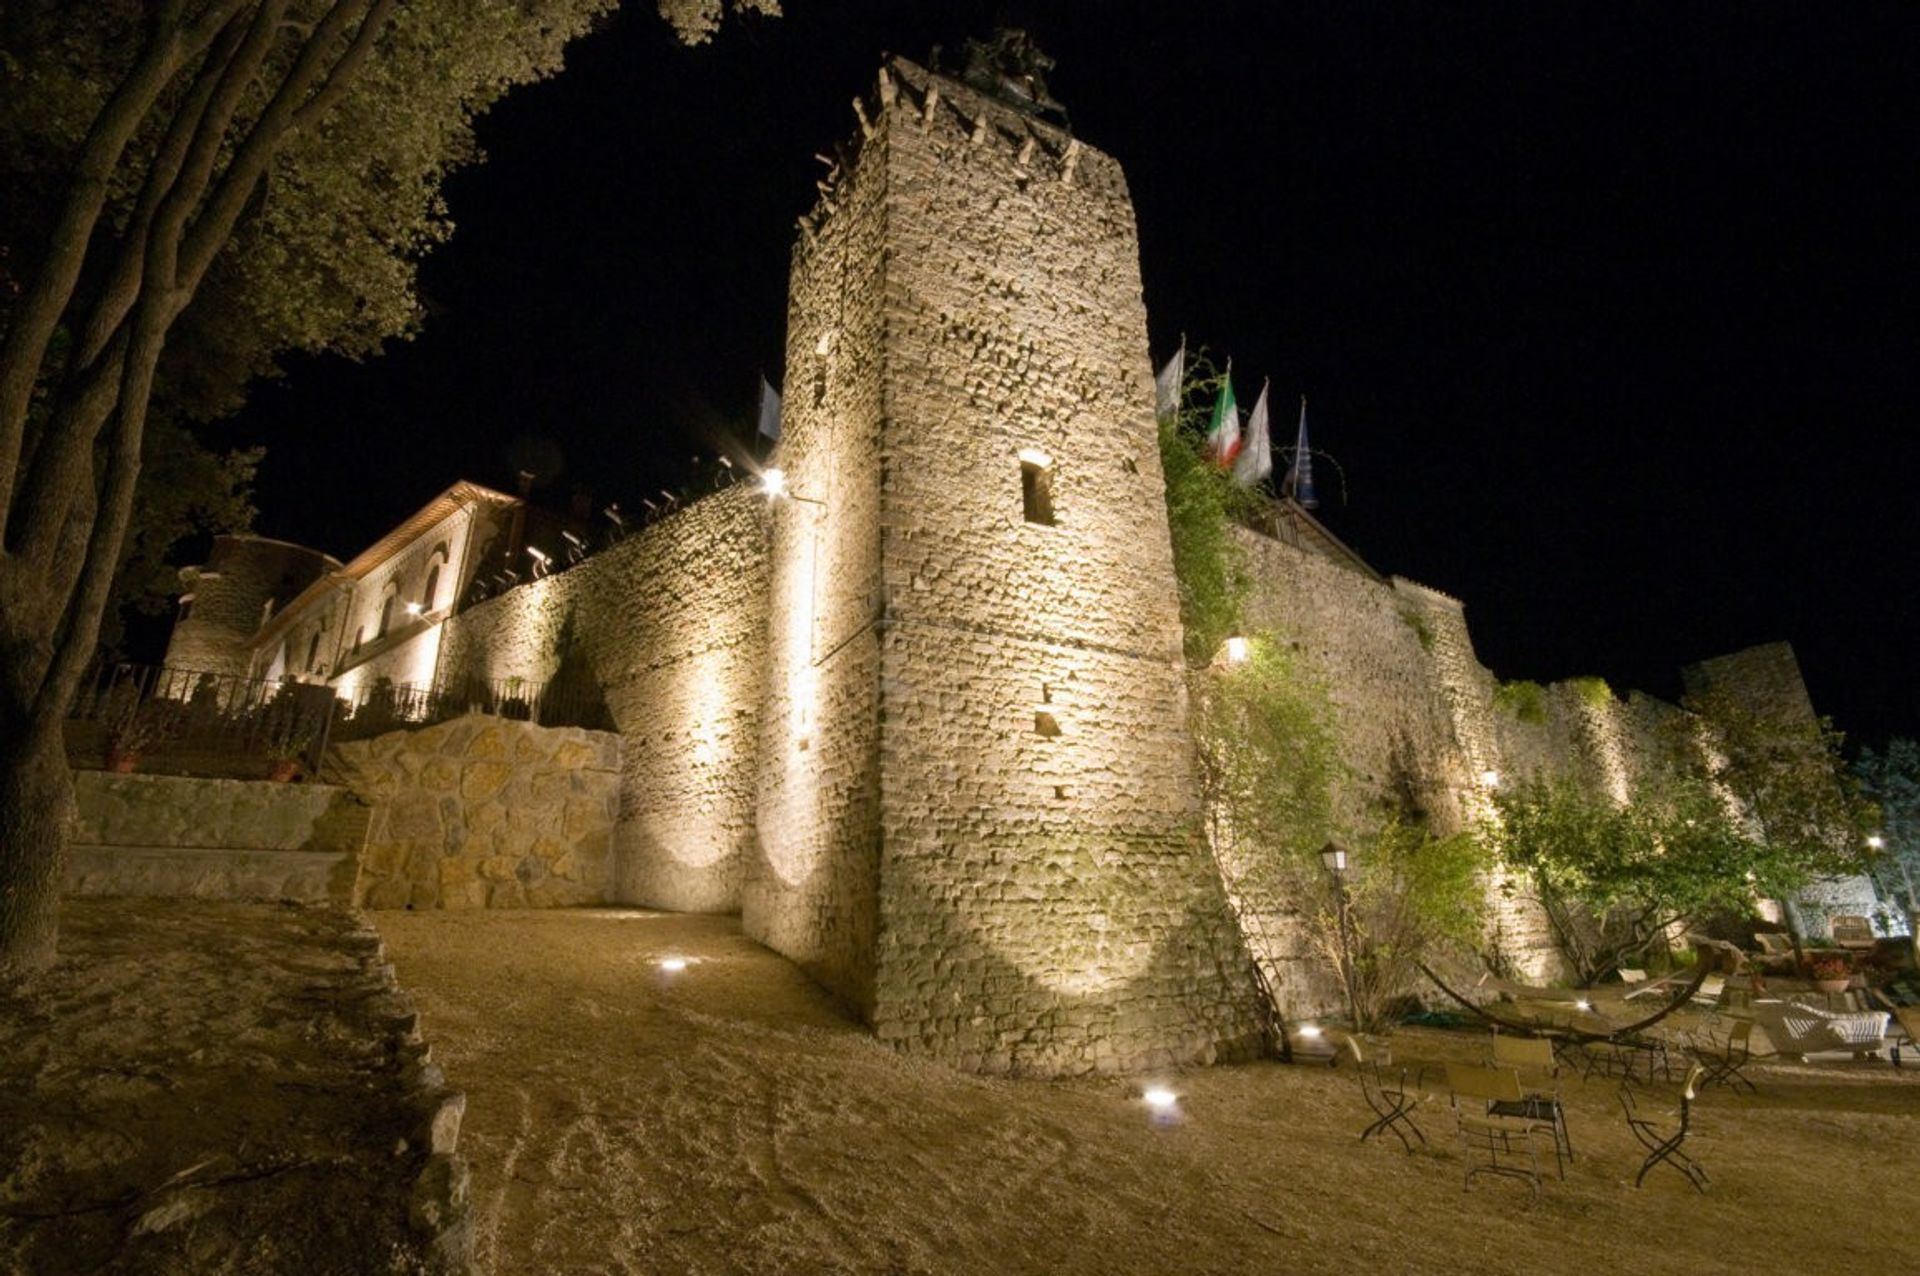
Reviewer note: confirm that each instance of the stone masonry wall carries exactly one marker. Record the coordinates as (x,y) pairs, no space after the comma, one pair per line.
(168,835)
(812,887)
(485,812)
(1047,903)
(671,626)
(1420,724)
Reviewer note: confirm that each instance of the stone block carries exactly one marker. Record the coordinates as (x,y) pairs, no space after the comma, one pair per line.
(441,1194)
(391,893)
(482,780)
(574,755)
(440,775)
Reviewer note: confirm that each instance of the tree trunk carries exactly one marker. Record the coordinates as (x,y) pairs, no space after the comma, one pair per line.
(36,803)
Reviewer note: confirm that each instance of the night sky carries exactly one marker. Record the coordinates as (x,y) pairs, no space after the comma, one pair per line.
(1607,312)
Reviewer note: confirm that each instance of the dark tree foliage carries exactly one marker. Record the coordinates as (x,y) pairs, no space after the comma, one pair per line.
(1892,781)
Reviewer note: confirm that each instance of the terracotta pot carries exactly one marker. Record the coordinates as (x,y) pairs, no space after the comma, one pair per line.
(281,770)
(122,763)
(1832,985)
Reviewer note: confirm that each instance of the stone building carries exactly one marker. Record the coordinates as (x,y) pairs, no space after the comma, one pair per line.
(922,722)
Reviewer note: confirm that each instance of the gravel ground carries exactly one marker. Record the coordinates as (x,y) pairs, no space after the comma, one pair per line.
(729,1118)
(204,1088)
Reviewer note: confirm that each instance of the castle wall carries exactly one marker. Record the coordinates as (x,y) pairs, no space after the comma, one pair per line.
(670,625)
(812,888)
(1046,901)
(1420,726)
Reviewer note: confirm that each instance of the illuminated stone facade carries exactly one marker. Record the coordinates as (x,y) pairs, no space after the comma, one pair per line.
(923,723)
(977,813)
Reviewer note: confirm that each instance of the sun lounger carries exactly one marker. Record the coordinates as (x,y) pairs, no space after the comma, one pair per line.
(1802,1030)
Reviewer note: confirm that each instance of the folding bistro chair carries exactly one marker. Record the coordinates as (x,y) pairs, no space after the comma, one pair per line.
(1392,1101)
(1664,1146)
(1502,1145)
(1723,1063)
(1534,1059)
(1908,1017)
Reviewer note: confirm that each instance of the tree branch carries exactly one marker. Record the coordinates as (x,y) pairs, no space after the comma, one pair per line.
(283,114)
(23,353)
(53,484)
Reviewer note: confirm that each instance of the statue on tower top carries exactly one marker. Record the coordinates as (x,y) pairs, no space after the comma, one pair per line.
(1010,67)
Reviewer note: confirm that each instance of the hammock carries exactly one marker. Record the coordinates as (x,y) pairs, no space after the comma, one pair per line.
(1570,1033)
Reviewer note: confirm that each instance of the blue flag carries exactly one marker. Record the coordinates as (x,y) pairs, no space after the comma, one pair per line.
(1299,484)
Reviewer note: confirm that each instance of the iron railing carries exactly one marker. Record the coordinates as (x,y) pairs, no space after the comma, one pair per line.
(173,719)
(194,722)
(381,706)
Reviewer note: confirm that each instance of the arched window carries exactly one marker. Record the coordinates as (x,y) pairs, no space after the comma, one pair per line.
(313,653)
(432,588)
(386,616)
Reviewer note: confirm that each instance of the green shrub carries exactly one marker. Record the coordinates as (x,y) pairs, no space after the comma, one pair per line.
(1522,699)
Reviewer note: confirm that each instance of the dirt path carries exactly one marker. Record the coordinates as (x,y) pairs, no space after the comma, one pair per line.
(727,1119)
(199,1088)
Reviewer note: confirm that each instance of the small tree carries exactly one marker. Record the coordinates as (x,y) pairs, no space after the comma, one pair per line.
(1409,893)
(1589,864)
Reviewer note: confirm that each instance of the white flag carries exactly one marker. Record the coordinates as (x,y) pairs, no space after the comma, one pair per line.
(769,411)
(1255,461)
(1166,386)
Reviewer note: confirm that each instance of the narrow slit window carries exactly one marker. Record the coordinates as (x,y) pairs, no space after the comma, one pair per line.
(1036,488)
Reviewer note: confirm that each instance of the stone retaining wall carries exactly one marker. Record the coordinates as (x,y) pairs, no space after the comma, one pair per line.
(485,812)
(164,835)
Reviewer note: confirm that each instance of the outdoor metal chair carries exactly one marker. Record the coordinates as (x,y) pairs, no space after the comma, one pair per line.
(1908,1017)
(1535,1059)
(1500,1145)
(1629,1053)
(1392,1101)
(1724,1063)
(1665,1145)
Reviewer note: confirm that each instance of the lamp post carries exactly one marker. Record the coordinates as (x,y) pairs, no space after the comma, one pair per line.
(1334,857)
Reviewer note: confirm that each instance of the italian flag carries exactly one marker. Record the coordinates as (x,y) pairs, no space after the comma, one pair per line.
(1223,437)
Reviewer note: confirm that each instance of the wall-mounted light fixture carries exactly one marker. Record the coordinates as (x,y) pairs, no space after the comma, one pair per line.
(414,609)
(1489,779)
(774,486)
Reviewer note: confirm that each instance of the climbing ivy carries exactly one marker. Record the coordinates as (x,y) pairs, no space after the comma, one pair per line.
(1522,699)
(1594,691)
(1202,504)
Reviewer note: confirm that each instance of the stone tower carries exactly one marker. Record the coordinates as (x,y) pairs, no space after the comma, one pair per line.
(245,579)
(977,814)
